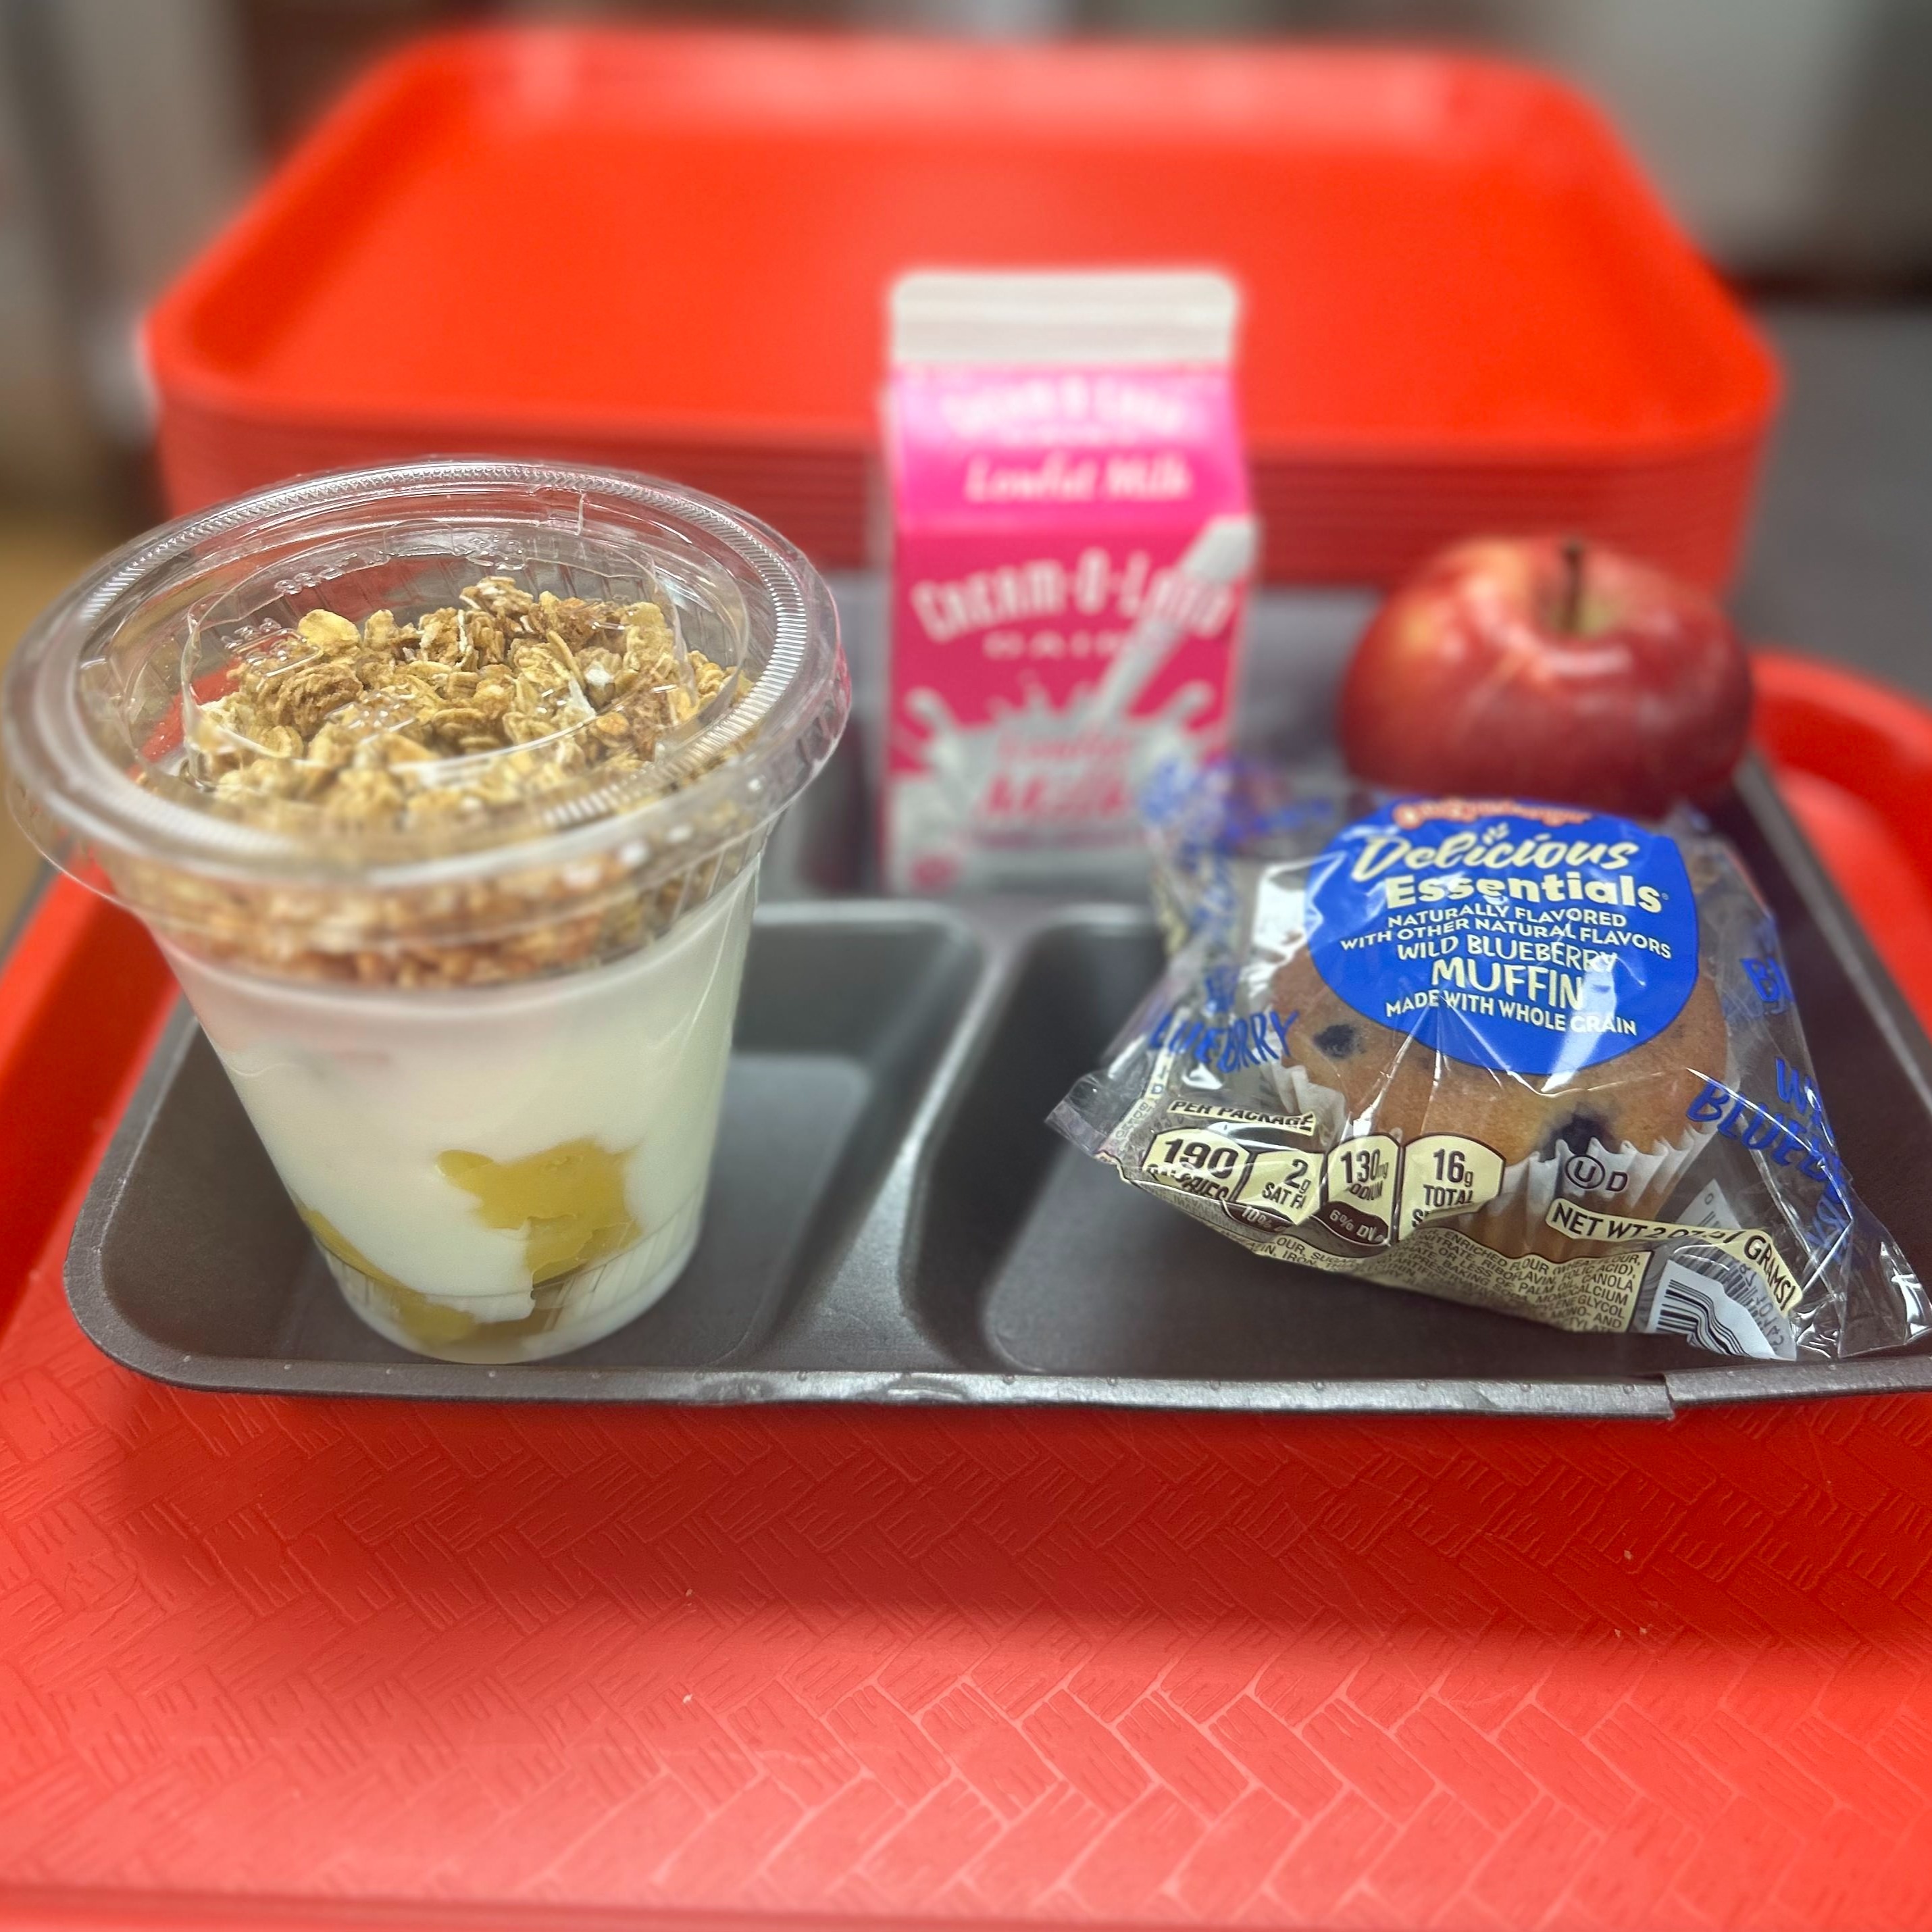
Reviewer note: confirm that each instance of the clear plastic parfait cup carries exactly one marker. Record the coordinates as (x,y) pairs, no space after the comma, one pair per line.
(443,786)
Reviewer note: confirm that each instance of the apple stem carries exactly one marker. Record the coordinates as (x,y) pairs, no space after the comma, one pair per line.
(1572,608)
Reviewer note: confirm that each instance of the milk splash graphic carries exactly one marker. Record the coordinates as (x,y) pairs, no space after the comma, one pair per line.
(1073,545)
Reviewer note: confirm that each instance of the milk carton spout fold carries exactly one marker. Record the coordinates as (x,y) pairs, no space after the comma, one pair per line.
(1073,545)
(1112,319)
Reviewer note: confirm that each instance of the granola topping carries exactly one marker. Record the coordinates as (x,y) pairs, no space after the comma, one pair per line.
(502,698)
(442,723)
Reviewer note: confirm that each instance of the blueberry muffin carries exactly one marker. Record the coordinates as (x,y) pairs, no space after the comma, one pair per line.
(1637,1100)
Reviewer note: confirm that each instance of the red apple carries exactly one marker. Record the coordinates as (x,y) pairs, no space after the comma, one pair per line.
(1548,667)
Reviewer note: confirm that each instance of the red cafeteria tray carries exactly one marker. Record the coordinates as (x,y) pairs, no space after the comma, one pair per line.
(670,251)
(1854,760)
(310,1661)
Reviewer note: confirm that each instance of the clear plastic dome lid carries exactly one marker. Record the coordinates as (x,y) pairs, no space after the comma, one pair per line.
(492,717)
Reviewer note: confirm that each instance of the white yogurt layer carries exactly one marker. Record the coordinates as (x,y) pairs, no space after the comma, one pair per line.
(357,1092)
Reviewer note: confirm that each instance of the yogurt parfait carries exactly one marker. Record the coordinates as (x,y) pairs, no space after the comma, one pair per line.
(443,786)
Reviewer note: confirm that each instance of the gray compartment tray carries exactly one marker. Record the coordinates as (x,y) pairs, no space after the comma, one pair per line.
(891,1220)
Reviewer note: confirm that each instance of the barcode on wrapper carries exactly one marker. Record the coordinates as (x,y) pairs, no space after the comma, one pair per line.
(1715,1301)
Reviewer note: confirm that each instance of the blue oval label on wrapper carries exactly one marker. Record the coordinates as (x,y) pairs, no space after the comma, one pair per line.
(1535,939)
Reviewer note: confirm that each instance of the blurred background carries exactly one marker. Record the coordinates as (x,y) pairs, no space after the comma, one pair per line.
(1793,138)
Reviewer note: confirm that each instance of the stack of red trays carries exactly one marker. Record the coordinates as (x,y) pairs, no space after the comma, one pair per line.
(1466,311)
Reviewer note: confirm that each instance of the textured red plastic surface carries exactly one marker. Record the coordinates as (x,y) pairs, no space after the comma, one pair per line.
(1303,1672)
(1465,308)
(80,991)
(1855,759)
(269,1660)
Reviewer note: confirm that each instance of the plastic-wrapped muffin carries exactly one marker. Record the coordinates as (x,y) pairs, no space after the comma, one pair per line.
(1524,1056)
(1626,1116)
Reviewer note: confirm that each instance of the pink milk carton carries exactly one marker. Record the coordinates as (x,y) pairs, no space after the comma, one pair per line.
(1071,546)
